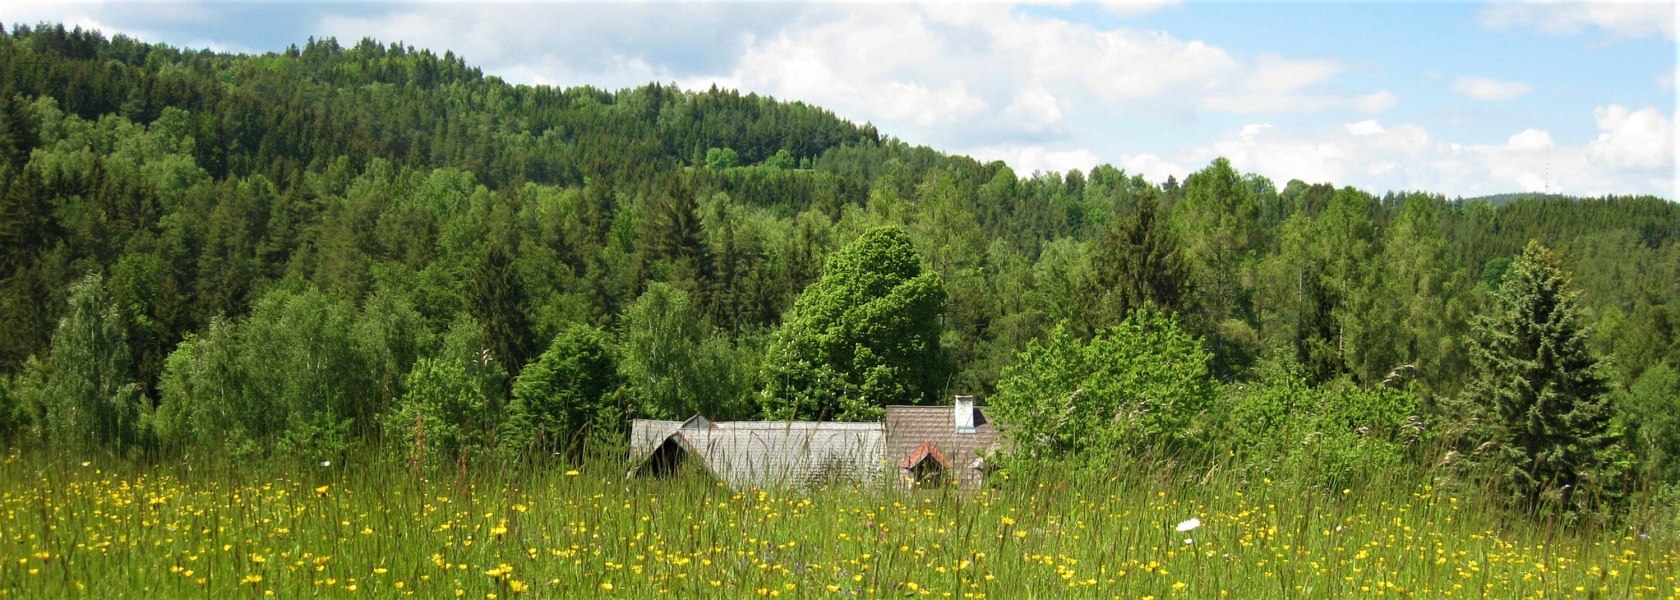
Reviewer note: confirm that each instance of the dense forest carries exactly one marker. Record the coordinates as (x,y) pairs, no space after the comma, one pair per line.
(330,248)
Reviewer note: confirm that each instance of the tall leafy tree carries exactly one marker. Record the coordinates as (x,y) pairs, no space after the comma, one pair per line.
(1539,385)
(1413,307)
(674,363)
(86,392)
(863,336)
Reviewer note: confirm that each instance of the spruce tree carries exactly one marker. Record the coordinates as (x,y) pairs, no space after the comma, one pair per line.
(1548,417)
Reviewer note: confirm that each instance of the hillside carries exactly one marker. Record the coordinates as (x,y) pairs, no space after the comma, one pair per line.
(298,242)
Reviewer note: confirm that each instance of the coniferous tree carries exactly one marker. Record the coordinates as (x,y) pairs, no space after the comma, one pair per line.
(1539,387)
(1139,264)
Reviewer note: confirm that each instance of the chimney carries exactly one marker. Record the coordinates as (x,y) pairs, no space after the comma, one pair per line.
(963,414)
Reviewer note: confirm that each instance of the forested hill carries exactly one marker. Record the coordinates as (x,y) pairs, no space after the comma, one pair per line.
(312,229)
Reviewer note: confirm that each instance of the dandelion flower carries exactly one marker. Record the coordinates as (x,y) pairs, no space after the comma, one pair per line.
(321,490)
(1189,524)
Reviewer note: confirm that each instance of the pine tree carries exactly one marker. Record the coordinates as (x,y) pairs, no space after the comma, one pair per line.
(1540,390)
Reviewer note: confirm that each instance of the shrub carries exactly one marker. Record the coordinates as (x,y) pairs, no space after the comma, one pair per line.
(1141,386)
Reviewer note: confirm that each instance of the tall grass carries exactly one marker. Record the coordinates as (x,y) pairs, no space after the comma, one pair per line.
(106,528)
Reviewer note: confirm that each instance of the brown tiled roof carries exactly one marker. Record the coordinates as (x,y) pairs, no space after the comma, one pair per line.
(924,452)
(908,427)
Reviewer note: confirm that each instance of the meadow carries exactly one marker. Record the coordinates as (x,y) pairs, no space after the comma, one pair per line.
(114,529)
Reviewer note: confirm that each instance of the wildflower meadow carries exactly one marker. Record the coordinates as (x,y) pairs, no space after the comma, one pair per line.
(98,529)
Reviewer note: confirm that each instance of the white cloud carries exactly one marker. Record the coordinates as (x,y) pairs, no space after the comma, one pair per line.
(1035,109)
(1530,139)
(1485,89)
(1152,167)
(1626,18)
(1132,8)
(1641,140)
(607,45)
(1633,153)
(1030,159)
(1366,127)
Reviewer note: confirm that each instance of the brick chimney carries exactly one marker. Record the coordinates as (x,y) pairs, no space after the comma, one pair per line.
(963,414)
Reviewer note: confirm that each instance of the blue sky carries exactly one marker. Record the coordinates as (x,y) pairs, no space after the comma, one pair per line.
(1459,98)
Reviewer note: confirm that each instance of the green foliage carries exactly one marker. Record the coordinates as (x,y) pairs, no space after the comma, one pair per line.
(284,236)
(864,336)
(206,400)
(11,411)
(722,158)
(782,159)
(1651,410)
(1332,436)
(445,412)
(83,390)
(1139,387)
(1539,392)
(304,374)
(572,390)
(1140,264)
(675,365)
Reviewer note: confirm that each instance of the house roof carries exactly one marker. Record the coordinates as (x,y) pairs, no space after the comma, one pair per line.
(926,451)
(910,427)
(770,453)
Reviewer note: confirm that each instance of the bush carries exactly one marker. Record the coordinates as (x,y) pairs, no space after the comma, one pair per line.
(83,391)
(1141,386)
(1333,436)
(444,413)
(572,388)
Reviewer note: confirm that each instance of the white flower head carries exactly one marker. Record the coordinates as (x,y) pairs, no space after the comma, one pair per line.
(1189,540)
(1190,524)
(326,463)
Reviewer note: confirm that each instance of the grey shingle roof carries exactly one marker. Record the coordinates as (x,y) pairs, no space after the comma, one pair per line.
(770,453)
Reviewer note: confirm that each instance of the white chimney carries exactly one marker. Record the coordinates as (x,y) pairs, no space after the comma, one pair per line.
(963,414)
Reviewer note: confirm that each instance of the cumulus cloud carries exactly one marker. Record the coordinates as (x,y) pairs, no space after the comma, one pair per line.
(950,76)
(606,45)
(1152,167)
(1633,153)
(1037,159)
(1486,89)
(1626,18)
(1633,140)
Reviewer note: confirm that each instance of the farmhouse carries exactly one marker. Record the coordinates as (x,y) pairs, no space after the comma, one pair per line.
(917,444)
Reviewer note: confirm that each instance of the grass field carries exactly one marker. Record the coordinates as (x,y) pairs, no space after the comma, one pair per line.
(75,528)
